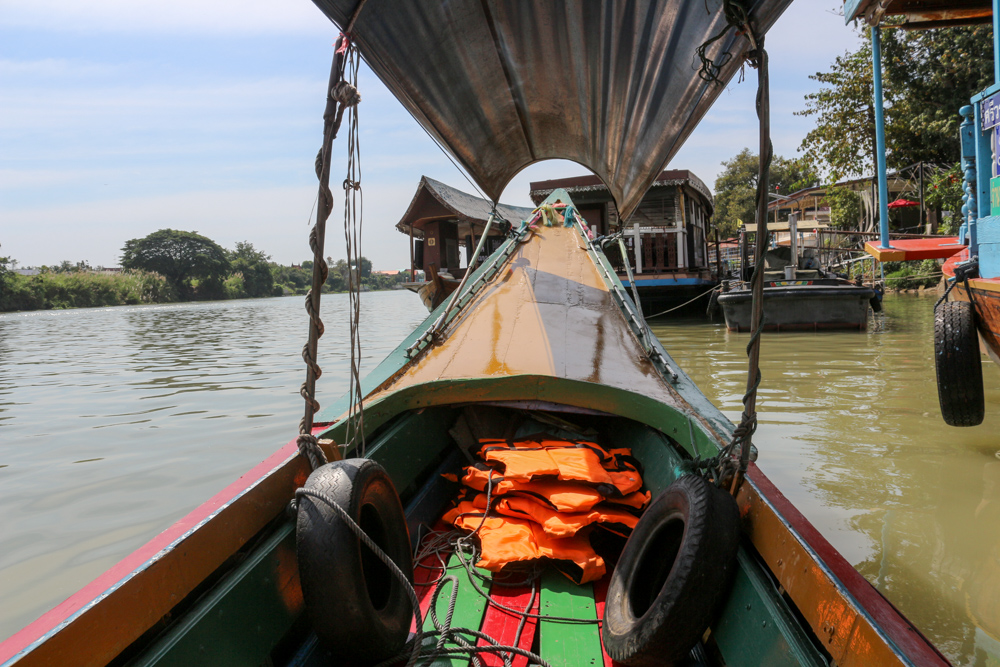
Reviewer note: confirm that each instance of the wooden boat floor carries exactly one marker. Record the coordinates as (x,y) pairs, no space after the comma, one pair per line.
(548,313)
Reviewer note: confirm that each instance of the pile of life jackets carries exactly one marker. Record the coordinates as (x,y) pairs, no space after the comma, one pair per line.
(546,497)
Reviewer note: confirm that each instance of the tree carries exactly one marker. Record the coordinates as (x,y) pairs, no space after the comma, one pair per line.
(736,187)
(180,257)
(845,207)
(928,75)
(255,267)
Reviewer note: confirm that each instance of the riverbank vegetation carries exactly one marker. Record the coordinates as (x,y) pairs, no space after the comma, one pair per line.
(171,265)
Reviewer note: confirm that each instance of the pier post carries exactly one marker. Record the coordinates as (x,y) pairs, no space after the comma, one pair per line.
(883,186)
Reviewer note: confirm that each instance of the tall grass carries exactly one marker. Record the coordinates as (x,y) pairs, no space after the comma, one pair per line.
(82,290)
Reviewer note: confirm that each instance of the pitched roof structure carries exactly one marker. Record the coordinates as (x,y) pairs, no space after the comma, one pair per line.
(542,189)
(434,200)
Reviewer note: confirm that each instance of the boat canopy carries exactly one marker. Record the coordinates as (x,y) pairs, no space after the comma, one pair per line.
(501,84)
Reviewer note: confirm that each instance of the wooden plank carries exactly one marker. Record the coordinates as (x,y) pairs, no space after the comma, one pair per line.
(240,621)
(502,625)
(469,609)
(569,644)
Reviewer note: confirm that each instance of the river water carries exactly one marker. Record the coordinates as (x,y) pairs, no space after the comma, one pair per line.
(115,422)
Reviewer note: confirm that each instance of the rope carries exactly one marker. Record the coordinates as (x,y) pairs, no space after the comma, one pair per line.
(670,310)
(353,221)
(736,17)
(729,466)
(332,117)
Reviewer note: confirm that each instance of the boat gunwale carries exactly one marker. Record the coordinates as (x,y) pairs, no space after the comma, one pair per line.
(890,625)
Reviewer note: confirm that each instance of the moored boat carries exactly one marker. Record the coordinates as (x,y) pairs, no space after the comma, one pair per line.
(798,293)
(967,317)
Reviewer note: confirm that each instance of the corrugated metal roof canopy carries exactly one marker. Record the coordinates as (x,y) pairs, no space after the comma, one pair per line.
(501,84)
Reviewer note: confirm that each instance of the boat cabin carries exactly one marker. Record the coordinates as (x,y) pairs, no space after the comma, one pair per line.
(444,225)
(666,238)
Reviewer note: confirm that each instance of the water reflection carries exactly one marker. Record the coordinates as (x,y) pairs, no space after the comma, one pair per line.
(851,432)
(115,422)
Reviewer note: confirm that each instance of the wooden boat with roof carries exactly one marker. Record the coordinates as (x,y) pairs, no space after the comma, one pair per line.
(967,317)
(538,377)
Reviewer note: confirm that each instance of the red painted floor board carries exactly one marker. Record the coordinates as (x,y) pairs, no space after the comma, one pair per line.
(502,625)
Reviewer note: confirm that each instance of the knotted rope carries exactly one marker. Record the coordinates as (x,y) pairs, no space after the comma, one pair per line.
(340,96)
(731,463)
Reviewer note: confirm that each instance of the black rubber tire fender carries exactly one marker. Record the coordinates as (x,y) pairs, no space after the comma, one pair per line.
(673,575)
(358,608)
(958,364)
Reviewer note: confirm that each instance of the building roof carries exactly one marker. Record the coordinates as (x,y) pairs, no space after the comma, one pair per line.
(434,201)
(542,189)
(922,14)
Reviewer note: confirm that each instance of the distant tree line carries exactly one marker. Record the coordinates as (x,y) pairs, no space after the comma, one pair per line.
(928,76)
(172,265)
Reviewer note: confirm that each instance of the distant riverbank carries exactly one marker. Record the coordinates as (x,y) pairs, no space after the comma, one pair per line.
(92,289)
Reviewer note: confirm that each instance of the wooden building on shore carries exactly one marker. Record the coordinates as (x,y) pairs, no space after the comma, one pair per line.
(667,238)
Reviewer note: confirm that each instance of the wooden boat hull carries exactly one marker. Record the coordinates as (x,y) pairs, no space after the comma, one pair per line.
(801,307)
(685,296)
(221,586)
(984,293)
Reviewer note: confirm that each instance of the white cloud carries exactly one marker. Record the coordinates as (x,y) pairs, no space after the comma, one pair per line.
(175,16)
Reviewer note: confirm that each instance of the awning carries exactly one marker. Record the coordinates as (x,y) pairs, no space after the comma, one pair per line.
(502,84)
(802,226)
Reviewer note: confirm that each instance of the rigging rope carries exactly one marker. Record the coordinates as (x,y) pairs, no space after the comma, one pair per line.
(340,96)
(731,463)
(353,221)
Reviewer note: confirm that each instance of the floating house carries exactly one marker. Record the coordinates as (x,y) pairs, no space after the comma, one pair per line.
(666,239)
(444,225)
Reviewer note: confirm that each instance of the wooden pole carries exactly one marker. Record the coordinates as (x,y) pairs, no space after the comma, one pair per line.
(412,268)
(923,221)
(718,256)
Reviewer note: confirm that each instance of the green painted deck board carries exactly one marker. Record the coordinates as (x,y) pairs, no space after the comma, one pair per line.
(568,644)
(239,622)
(469,609)
(756,627)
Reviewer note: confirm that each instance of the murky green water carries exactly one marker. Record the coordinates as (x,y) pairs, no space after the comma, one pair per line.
(851,432)
(115,422)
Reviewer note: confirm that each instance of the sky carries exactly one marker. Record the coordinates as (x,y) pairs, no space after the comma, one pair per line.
(122,117)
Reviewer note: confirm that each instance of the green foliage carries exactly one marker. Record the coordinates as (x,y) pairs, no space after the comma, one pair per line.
(291,279)
(234,286)
(844,137)
(944,192)
(79,289)
(254,268)
(928,75)
(736,186)
(911,275)
(845,207)
(194,264)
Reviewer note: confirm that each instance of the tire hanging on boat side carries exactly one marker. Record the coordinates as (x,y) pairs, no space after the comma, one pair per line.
(358,608)
(673,575)
(958,364)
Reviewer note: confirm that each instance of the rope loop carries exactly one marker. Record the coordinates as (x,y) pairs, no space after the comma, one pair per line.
(345,94)
(738,17)
(309,447)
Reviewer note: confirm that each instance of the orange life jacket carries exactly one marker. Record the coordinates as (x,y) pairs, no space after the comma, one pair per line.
(507,540)
(564,524)
(561,496)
